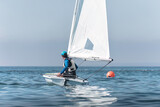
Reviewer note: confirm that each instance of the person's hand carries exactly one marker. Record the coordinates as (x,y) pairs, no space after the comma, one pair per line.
(59,74)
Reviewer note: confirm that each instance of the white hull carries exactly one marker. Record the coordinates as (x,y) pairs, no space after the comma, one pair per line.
(52,78)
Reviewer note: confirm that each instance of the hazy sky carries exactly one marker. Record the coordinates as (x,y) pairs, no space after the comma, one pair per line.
(34,32)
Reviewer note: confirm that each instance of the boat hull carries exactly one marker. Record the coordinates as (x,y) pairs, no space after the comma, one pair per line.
(51,78)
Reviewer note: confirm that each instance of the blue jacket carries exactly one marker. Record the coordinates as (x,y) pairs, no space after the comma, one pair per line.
(66,65)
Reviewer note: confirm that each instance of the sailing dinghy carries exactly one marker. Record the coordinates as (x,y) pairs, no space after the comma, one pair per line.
(88,38)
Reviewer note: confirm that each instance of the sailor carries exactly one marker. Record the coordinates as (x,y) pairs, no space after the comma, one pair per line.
(70,67)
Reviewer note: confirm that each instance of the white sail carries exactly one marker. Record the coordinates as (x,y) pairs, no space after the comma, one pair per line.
(89,33)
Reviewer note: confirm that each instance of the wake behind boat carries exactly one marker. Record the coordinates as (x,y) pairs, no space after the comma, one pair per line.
(52,78)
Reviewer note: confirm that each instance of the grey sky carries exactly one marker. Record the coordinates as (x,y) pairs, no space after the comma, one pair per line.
(34,32)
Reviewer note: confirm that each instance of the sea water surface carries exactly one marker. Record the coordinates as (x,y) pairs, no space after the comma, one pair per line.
(132,87)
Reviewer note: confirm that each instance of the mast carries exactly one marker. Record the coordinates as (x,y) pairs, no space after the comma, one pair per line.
(73,24)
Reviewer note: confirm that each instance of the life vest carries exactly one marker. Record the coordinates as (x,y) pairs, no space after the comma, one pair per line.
(71,67)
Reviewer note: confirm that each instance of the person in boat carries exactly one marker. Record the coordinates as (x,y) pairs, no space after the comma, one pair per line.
(70,67)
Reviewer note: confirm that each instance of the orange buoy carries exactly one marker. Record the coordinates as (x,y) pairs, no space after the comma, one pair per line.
(110,74)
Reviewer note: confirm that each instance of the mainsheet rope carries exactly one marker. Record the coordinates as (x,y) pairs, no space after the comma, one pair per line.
(81,62)
(98,70)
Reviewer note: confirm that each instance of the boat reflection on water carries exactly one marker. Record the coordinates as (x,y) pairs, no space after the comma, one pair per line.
(89,96)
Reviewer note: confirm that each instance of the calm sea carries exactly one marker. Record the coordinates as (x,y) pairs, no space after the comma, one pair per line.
(132,87)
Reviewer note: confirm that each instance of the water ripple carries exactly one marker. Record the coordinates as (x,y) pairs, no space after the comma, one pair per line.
(90,96)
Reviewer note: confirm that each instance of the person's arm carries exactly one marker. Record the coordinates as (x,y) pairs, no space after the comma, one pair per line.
(65,67)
